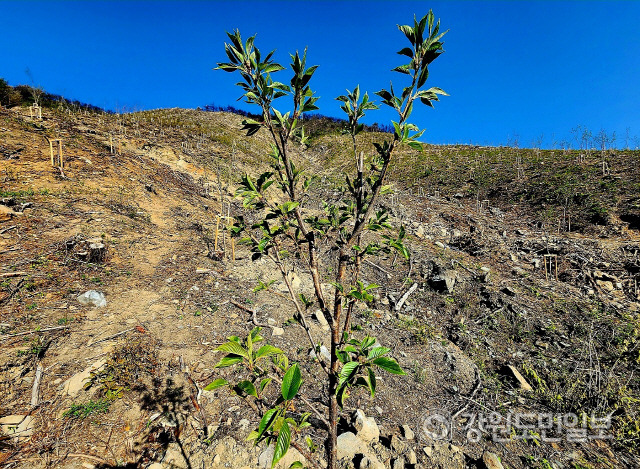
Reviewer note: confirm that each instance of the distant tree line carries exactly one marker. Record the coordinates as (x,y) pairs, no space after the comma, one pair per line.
(315,123)
(26,95)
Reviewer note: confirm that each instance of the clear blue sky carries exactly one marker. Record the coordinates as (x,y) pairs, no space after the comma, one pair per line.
(511,67)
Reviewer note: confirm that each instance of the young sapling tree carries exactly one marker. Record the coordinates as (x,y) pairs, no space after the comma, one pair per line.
(285,226)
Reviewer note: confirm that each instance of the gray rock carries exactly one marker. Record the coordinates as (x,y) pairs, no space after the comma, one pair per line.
(349,445)
(407,432)
(398,445)
(320,318)
(444,281)
(371,462)
(324,353)
(93,298)
(398,463)
(366,427)
(277,331)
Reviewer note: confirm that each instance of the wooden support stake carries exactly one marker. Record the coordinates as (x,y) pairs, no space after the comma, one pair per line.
(549,266)
(233,250)
(215,244)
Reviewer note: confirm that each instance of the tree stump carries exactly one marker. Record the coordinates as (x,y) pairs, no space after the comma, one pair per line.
(97,252)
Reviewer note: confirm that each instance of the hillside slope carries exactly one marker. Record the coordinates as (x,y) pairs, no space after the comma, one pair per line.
(148,188)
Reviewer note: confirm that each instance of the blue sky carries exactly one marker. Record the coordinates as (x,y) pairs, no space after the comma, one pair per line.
(512,68)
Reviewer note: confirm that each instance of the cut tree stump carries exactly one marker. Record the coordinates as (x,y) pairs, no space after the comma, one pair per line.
(97,253)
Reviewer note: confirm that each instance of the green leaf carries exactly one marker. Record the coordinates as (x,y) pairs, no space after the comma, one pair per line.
(348,371)
(408,31)
(234,348)
(267,421)
(296,465)
(372,381)
(388,364)
(271,68)
(282,444)
(377,352)
(248,388)
(264,383)
(229,360)
(291,382)
(406,51)
(218,383)
(267,351)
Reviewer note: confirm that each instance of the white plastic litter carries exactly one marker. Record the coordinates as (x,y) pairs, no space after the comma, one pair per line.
(93,298)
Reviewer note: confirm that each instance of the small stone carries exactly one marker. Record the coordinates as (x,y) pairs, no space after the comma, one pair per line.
(378,409)
(397,444)
(439,244)
(485,269)
(366,427)
(398,463)
(412,458)
(428,450)
(271,322)
(320,318)
(605,285)
(324,353)
(277,331)
(491,461)
(408,433)
(384,301)
(349,445)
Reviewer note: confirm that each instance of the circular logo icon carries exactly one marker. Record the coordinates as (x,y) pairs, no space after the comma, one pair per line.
(435,424)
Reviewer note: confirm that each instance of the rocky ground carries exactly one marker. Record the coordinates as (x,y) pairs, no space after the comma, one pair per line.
(505,317)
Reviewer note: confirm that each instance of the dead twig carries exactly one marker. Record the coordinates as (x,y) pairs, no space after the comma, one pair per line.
(111,336)
(13,274)
(8,229)
(8,336)
(88,456)
(254,319)
(378,267)
(405,296)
